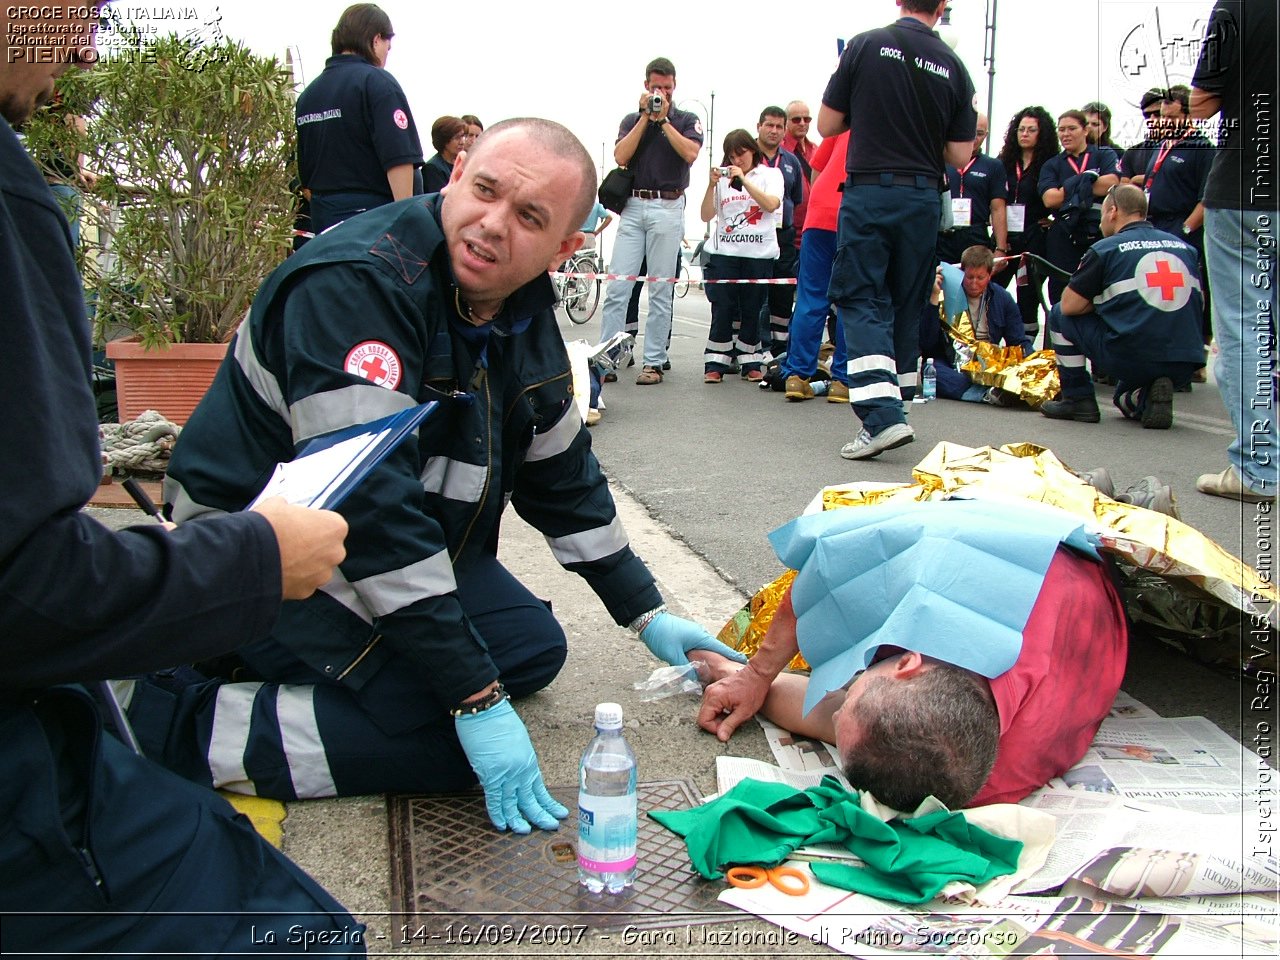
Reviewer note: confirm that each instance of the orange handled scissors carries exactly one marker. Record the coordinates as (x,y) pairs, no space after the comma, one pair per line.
(751,877)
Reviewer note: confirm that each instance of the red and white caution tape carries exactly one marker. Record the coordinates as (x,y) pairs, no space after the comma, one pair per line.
(634,278)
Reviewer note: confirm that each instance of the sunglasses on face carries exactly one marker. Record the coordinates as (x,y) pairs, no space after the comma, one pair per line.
(799,119)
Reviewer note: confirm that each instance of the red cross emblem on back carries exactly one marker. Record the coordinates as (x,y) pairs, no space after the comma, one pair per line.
(374,361)
(1166,279)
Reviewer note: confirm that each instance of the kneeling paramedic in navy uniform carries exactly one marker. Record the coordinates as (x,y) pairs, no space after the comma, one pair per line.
(102,851)
(1133,308)
(397,675)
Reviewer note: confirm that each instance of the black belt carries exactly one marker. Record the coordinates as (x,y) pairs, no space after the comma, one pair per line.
(894,180)
(657,194)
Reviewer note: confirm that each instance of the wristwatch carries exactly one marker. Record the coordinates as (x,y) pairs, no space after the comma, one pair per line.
(663,121)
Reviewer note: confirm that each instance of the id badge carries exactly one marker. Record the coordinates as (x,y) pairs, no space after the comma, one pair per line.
(1015,217)
(961,211)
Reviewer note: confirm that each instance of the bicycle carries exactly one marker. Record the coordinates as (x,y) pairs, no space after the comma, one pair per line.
(577,294)
(683,281)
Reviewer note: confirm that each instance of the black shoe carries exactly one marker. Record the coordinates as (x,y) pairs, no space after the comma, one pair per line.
(1157,411)
(1080,409)
(666,365)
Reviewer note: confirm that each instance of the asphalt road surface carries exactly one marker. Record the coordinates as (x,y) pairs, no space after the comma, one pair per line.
(722,465)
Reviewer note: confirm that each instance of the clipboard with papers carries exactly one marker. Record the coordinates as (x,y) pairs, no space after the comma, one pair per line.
(329,467)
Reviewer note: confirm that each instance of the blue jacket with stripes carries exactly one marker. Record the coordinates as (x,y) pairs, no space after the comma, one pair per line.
(364,322)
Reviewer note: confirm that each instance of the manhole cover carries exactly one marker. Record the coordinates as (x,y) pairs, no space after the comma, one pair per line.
(455,878)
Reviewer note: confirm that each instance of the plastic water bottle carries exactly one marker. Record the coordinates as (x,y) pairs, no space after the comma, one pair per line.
(607,807)
(820,387)
(929,381)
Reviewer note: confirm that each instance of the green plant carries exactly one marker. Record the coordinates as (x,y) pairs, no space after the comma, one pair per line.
(192,145)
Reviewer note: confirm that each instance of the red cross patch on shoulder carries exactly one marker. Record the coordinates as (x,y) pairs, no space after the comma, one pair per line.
(1163,281)
(374,361)
(401,119)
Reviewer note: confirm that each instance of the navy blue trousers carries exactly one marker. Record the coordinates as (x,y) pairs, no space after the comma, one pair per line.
(301,735)
(123,858)
(330,209)
(883,270)
(1075,338)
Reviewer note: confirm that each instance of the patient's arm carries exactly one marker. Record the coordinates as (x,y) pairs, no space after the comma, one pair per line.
(783,704)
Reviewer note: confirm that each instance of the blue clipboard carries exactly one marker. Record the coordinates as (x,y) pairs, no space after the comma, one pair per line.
(329,467)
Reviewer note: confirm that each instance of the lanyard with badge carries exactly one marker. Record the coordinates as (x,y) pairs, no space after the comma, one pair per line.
(1081,167)
(1166,147)
(962,206)
(1015,214)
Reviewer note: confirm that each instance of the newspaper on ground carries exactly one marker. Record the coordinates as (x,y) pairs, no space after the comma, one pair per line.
(1182,762)
(1137,851)
(1071,925)
(1164,846)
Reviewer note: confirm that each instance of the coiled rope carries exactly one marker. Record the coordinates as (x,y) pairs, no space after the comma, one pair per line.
(140,446)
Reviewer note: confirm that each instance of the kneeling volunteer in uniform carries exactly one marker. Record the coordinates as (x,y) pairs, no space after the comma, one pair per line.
(1133,307)
(964,693)
(396,675)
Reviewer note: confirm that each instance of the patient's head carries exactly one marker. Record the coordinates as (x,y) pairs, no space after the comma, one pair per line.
(912,727)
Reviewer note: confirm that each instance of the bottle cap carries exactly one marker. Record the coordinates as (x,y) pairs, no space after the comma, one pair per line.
(608,715)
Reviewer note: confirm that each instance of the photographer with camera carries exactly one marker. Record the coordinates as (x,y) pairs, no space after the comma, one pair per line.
(658,143)
(744,198)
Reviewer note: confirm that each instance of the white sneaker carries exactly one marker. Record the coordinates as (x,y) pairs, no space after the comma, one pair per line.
(865,446)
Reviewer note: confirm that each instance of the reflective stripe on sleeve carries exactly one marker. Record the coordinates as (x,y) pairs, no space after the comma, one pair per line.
(345,407)
(184,507)
(556,440)
(260,378)
(340,589)
(454,479)
(589,545)
(385,593)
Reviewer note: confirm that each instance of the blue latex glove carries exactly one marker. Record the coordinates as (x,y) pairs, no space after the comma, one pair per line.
(498,747)
(672,638)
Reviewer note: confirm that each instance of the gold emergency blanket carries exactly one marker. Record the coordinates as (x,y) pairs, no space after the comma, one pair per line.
(1177,583)
(1033,379)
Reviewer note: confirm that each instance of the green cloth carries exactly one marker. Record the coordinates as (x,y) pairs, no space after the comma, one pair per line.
(908,861)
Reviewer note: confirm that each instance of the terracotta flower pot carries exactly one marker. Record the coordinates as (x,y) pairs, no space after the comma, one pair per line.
(170,380)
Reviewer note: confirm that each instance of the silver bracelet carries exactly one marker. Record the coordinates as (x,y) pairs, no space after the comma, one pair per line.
(642,621)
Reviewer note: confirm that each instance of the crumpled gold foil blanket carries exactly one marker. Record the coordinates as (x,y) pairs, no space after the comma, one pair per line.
(1033,379)
(1178,582)
(745,630)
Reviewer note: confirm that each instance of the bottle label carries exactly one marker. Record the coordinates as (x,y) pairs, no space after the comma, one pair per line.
(607,832)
